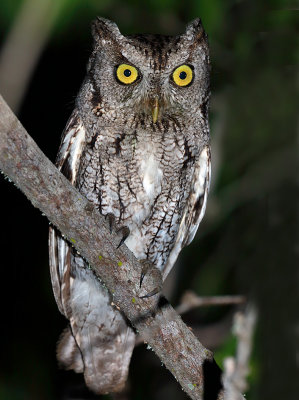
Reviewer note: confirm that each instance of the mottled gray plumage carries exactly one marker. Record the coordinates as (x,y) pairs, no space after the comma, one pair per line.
(151,172)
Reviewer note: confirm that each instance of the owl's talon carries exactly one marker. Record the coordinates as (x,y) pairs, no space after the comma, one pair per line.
(142,275)
(111,221)
(150,294)
(146,266)
(150,271)
(125,232)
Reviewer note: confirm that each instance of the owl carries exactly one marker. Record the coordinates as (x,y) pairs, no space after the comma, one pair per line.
(137,146)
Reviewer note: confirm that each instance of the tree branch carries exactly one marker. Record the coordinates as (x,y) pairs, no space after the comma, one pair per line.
(236,369)
(190,301)
(154,318)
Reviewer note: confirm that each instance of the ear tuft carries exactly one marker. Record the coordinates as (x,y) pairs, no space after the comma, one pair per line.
(104,30)
(194,31)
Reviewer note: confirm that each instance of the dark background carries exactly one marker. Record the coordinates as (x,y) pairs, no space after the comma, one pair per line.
(248,241)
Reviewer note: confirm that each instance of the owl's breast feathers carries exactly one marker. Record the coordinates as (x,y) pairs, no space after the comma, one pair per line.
(145,177)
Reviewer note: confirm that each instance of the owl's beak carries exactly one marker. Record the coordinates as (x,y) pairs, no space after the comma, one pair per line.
(155,111)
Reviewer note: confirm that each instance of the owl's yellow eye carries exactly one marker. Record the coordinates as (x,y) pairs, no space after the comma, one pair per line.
(182,75)
(126,73)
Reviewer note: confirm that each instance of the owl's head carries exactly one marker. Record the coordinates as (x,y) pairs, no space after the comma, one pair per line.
(155,76)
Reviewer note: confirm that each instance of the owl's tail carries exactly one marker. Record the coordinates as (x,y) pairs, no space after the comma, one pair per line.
(109,373)
(98,341)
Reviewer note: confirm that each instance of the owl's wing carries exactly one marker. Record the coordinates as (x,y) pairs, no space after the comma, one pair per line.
(67,162)
(195,207)
(98,341)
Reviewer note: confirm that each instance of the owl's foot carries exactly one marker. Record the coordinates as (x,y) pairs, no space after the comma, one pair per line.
(124,230)
(111,221)
(150,271)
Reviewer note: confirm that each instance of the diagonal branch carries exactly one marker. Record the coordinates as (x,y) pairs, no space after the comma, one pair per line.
(154,318)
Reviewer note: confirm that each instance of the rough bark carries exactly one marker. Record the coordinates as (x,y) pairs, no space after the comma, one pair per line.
(154,318)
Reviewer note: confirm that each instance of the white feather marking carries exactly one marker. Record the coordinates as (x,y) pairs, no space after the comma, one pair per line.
(66,141)
(61,253)
(200,183)
(76,149)
(54,267)
(188,226)
(201,186)
(152,176)
(136,244)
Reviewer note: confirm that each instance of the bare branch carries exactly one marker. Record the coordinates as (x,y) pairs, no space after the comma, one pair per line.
(211,335)
(190,301)
(154,318)
(236,369)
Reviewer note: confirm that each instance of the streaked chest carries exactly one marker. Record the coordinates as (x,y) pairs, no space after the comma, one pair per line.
(139,178)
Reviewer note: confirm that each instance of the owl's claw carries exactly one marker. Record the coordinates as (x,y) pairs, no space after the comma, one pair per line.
(146,266)
(111,221)
(150,294)
(150,271)
(125,232)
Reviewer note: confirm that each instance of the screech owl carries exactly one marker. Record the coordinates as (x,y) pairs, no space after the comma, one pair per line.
(137,146)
